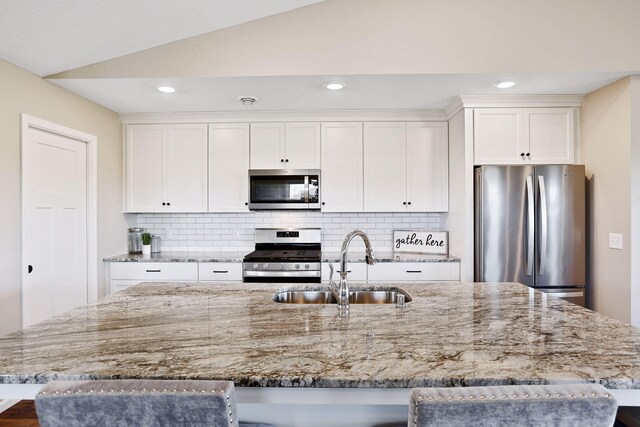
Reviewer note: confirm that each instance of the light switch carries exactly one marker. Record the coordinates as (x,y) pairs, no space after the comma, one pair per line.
(615,240)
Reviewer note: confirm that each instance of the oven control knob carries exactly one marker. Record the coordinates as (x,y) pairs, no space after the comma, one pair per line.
(265,266)
(255,266)
(306,266)
(297,266)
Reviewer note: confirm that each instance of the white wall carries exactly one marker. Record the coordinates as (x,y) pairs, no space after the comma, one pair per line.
(635,201)
(23,92)
(606,153)
(236,231)
(403,37)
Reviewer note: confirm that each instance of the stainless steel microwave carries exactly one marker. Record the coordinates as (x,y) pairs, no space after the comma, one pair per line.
(271,189)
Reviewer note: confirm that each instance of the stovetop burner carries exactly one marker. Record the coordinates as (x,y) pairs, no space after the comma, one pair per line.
(285,255)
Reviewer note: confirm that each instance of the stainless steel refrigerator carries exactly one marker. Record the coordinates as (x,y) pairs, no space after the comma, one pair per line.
(530,227)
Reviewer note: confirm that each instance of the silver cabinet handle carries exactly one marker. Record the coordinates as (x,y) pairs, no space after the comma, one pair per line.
(220,271)
(543,224)
(154,271)
(530,228)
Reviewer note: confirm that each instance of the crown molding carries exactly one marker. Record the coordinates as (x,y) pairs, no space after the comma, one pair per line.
(511,101)
(287,116)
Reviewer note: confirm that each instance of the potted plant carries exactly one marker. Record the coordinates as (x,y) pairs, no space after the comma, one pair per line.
(146,244)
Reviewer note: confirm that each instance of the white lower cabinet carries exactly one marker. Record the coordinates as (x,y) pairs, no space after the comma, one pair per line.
(356,271)
(220,271)
(125,274)
(394,272)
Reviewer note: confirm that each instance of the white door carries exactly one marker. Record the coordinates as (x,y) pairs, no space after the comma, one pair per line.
(267,146)
(498,136)
(145,168)
(55,245)
(186,168)
(228,167)
(550,134)
(341,177)
(427,167)
(385,167)
(302,145)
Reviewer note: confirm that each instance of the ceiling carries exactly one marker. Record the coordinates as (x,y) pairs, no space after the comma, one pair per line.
(48,37)
(309,93)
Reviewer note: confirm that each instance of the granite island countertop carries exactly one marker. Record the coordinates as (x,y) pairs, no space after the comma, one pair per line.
(237,256)
(454,334)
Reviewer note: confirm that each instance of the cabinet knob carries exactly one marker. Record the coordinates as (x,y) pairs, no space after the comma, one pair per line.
(404,203)
(164,204)
(286,160)
(29,269)
(521,154)
(528,154)
(281,160)
(322,203)
(409,203)
(168,204)
(246,203)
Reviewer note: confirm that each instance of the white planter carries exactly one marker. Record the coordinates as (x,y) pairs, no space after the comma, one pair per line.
(146,249)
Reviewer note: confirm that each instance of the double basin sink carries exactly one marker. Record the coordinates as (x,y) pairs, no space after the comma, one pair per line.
(356,296)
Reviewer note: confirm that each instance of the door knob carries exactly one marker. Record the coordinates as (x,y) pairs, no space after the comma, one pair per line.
(29,269)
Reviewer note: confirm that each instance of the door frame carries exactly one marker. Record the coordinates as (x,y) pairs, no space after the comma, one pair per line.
(27,122)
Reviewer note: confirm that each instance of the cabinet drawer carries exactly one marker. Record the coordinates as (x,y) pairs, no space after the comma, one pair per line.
(357,271)
(220,271)
(155,271)
(414,272)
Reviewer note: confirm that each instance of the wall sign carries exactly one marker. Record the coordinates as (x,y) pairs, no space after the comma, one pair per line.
(421,242)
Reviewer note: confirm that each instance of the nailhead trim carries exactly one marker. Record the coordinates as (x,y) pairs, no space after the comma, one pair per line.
(514,396)
(144,390)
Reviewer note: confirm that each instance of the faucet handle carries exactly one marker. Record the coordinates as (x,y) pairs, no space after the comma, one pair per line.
(331,269)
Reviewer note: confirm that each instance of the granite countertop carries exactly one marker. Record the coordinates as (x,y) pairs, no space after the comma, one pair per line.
(382,256)
(182,256)
(454,334)
(237,256)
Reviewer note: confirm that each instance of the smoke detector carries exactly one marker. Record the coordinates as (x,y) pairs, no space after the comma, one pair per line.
(248,100)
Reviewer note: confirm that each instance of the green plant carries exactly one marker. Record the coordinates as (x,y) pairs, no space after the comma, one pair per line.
(146,238)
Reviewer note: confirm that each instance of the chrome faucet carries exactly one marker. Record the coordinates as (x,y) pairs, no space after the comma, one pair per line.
(341,291)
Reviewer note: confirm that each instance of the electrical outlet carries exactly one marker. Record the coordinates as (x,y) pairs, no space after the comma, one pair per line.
(615,240)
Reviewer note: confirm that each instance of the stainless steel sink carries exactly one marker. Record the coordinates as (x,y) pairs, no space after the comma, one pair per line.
(386,296)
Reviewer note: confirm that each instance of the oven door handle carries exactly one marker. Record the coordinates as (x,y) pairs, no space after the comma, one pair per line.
(282,273)
(306,188)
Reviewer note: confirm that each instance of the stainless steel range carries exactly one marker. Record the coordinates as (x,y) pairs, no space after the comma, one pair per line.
(284,255)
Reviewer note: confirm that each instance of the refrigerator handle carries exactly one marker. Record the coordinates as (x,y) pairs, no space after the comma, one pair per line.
(543,224)
(530,227)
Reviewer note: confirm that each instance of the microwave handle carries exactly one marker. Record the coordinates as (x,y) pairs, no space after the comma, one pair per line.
(306,188)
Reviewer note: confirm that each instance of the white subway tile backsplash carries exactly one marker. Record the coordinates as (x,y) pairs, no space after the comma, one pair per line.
(235,231)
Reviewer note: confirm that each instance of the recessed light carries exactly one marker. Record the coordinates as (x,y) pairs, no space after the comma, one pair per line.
(334,85)
(505,85)
(166,89)
(248,100)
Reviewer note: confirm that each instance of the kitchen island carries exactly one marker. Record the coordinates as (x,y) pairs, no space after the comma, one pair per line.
(453,334)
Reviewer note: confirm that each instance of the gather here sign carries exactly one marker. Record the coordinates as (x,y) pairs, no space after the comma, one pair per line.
(421,242)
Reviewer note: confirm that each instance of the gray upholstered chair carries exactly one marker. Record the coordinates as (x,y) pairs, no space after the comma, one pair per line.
(137,403)
(534,405)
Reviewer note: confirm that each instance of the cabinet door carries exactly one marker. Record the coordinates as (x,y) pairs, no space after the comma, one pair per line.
(385,167)
(228,167)
(550,134)
(267,146)
(341,177)
(144,148)
(186,168)
(498,136)
(427,167)
(302,145)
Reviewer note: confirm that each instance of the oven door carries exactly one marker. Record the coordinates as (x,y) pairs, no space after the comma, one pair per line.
(284,189)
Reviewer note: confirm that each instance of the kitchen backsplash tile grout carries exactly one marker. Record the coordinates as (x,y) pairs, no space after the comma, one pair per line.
(235,231)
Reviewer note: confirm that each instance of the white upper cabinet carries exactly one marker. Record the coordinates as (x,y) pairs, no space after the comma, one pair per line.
(267,146)
(523,135)
(341,178)
(228,167)
(385,167)
(166,168)
(406,167)
(285,145)
(427,167)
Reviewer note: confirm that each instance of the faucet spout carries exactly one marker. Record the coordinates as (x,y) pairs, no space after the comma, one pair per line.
(342,293)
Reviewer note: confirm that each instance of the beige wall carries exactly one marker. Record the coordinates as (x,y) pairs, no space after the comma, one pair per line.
(403,37)
(606,150)
(23,92)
